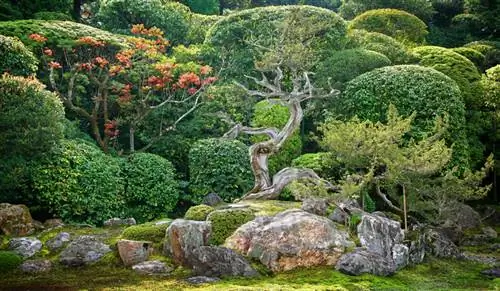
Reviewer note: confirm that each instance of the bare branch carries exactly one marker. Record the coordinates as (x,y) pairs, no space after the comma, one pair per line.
(237,129)
(386,200)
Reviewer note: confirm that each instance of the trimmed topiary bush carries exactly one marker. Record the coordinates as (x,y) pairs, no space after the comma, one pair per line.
(81,184)
(343,66)
(395,23)
(267,114)
(490,50)
(473,55)
(226,221)
(171,18)
(9,261)
(381,43)
(202,6)
(16,58)
(421,8)
(221,166)
(410,88)
(455,66)
(198,212)
(146,232)
(230,35)
(150,186)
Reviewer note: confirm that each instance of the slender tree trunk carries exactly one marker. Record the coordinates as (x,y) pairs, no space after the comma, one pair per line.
(132,138)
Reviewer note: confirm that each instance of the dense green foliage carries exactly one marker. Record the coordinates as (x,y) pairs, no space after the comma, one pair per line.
(79,183)
(16,58)
(198,212)
(381,43)
(421,8)
(150,186)
(473,55)
(225,222)
(9,261)
(343,66)
(23,9)
(410,88)
(455,66)
(221,166)
(44,15)
(152,231)
(236,39)
(199,25)
(267,114)
(322,163)
(395,23)
(170,17)
(490,50)
(202,6)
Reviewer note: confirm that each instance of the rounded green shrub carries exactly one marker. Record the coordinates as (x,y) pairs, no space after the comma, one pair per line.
(381,43)
(199,24)
(154,232)
(445,10)
(455,66)
(269,114)
(221,166)
(230,35)
(421,8)
(46,15)
(226,221)
(9,261)
(170,17)
(395,23)
(473,55)
(16,58)
(343,66)
(491,85)
(410,88)
(322,163)
(79,183)
(202,6)
(198,212)
(490,50)
(150,186)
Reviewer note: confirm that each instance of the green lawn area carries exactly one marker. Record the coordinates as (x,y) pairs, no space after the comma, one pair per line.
(432,275)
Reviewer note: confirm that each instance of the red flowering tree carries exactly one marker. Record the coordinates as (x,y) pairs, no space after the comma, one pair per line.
(121,90)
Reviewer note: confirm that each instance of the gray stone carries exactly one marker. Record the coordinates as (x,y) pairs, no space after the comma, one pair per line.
(15,220)
(400,255)
(485,259)
(361,261)
(58,241)
(291,239)
(489,232)
(492,273)
(212,199)
(439,245)
(53,222)
(202,280)
(36,266)
(183,236)
(219,262)
(84,250)
(417,249)
(315,206)
(133,252)
(462,216)
(379,234)
(26,247)
(119,222)
(340,214)
(152,268)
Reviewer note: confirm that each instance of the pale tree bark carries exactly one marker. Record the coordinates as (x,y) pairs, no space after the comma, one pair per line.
(264,186)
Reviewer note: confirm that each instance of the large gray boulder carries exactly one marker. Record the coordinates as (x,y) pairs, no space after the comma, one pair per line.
(183,236)
(379,234)
(291,239)
(58,241)
(36,266)
(315,206)
(152,268)
(84,250)
(15,220)
(26,247)
(462,217)
(361,261)
(439,245)
(214,261)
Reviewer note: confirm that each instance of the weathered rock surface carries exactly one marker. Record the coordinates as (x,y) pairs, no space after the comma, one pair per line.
(362,261)
(462,216)
(83,250)
(36,266)
(26,247)
(53,222)
(492,272)
(15,220)
(315,206)
(133,252)
(379,234)
(183,236)
(201,280)
(119,222)
(400,255)
(439,244)
(291,239)
(339,214)
(152,268)
(58,241)
(219,262)
(416,248)
(212,199)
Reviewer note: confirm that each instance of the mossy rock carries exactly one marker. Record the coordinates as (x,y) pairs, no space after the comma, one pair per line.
(226,221)
(198,212)
(270,207)
(9,261)
(150,231)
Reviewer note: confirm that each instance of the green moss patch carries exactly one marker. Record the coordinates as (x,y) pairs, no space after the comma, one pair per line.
(270,207)
(151,231)
(9,261)
(226,221)
(198,212)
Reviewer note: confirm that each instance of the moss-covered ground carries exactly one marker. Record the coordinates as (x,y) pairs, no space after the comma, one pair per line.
(432,275)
